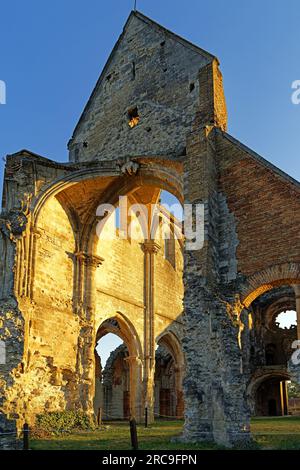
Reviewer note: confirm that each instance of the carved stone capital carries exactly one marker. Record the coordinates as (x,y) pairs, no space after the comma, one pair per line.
(88,259)
(150,246)
(129,168)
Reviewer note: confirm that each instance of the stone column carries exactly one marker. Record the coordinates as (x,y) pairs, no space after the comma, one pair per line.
(30,260)
(86,267)
(283,398)
(297,294)
(179,392)
(150,248)
(135,366)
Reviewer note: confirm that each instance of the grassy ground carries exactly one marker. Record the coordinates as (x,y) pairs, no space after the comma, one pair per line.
(269,433)
(277,433)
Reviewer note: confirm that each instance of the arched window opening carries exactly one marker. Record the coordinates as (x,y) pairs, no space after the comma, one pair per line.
(271,397)
(172,204)
(165,384)
(169,364)
(111,400)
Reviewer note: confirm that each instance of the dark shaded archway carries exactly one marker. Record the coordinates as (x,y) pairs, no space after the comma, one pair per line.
(169,373)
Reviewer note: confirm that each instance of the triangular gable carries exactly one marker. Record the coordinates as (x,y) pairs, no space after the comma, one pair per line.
(149,22)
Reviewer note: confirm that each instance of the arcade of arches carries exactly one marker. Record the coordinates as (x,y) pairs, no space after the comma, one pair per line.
(198,320)
(112,394)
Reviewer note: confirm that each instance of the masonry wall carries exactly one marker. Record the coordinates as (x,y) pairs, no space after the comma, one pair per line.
(43,381)
(263,203)
(168,290)
(251,220)
(120,284)
(167,99)
(53,324)
(54,264)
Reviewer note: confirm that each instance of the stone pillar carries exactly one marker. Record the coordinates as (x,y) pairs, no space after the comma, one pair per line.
(216,408)
(150,248)
(215,383)
(135,367)
(179,392)
(284,398)
(86,265)
(33,236)
(297,294)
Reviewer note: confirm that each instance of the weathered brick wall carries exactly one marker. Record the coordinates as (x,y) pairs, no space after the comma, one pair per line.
(166,100)
(53,264)
(212,106)
(53,363)
(201,187)
(121,273)
(265,206)
(53,325)
(43,381)
(26,175)
(120,284)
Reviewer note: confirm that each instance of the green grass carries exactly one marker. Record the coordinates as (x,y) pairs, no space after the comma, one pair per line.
(277,433)
(269,433)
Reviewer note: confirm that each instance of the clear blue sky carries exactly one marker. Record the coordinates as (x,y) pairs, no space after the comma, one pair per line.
(106,345)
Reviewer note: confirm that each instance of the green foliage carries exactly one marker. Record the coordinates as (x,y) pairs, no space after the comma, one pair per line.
(65,421)
(293,390)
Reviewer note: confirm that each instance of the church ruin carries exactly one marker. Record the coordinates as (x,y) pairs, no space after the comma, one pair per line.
(198,326)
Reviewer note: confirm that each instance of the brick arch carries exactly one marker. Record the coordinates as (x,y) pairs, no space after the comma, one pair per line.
(275,308)
(273,276)
(263,376)
(170,341)
(173,345)
(160,174)
(59,185)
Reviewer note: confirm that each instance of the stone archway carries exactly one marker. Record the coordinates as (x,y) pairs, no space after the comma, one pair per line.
(122,327)
(169,341)
(269,346)
(105,183)
(273,276)
(267,392)
(156,179)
